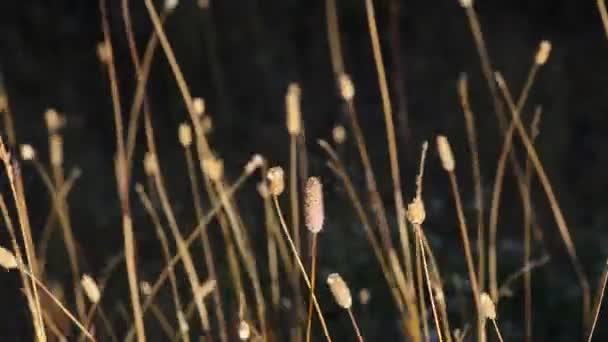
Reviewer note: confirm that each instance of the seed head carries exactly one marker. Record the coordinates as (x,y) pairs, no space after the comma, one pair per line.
(415,211)
(150,164)
(171,4)
(347,88)
(244,331)
(544,50)
(313,205)
(466,3)
(213,167)
(7,259)
(185,134)
(254,163)
(54,120)
(292,104)
(27,152)
(339,134)
(276,180)
(90,288)
(487,309)
(339,289)
(103,52)
(445,153)
(198,106)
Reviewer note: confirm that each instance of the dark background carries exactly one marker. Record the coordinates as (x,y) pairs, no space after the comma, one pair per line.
(241,55)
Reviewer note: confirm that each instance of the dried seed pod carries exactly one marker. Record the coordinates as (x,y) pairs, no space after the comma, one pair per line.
(213,167)
(314,213)
(150,164)
(544,50)
(339,134)
(7,259)
(54,120)
(487,308)
(254,163)
(292,106)
(184,133)
(198,106)
(90,288)
(347,88)
(445,153)
(276,180)
(27,152)
(340,290)
(415,211)
(244,331)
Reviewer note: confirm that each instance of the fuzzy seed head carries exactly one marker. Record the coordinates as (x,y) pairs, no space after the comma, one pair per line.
(54,120)
(103,52)
(207,124)
(466,3)
(203,4)
(445,153)
(544,50)
(198,106)
(276,180)
(7,259)
(415,211)
(90,288)
(214,168)
(171,4)
(339,289)
(27,152)
(185,134)
(364,296)
(347,88)
(56,150)
(244,331)
(339,134)
(292,106)
(314,213)
(150,164)
(254,163)
(487,308)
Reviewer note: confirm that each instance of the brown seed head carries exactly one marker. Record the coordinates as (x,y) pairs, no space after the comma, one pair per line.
(27,152)
(347,88)
(544,50)
(150,164)
(339,134)
(314,213)
(54,120)
(276,180)
(214,168)
(90,288)
(198,106)
(487,309)
(292,106)
(339,289)
(445,153)
(415,211)
(254,163)
(466,3)
(7,259)
(103,52)
(185,134)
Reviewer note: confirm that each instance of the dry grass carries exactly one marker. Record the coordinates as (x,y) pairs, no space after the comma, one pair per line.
(248,301)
